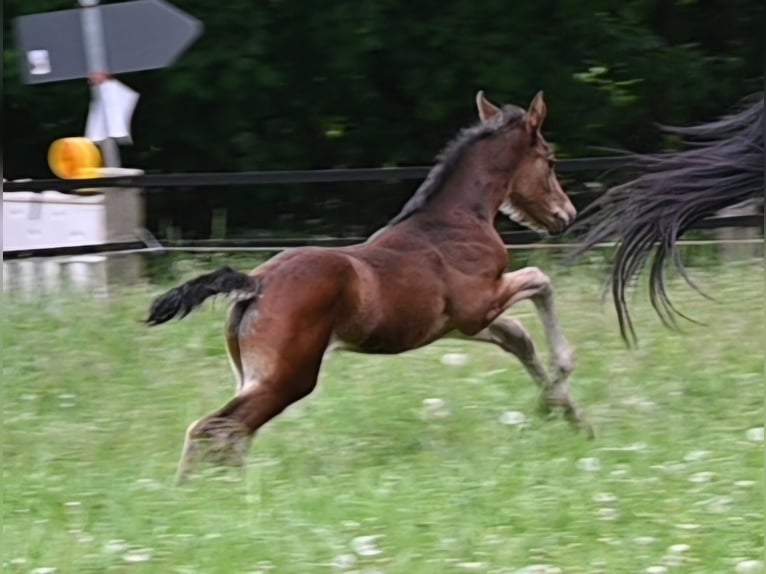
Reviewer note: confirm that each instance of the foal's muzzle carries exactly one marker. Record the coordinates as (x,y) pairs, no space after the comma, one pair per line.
(563,218)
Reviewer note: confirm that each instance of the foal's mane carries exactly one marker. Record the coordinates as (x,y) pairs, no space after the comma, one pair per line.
(451,156)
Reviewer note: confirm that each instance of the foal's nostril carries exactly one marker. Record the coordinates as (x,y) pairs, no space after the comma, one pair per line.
(562,220)
(559,223)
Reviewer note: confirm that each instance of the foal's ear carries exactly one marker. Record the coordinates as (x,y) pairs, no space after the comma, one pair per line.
(487,110)
(536,113)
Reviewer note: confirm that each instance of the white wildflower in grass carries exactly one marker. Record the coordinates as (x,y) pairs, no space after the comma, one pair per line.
(604,498)
(656,570)
(755,434)
(147,484)
(493,539)
(115,547)
(749,567)
(85,538)
(67,400)
(538,569)
(688,526)
(720,505)
(644,540)
(72,506)
(435,408)
(44,570)
(745,483)
(669,467)
(700,477)
(610,541)
(344,561)
(366,545)
(138,556)
(673,560)
(696,455)
(640,403)
(608,514)
(675,554)
(447,543)
(17,561)
(589,464)
(635,447)
(455,359)
(513,418)
(471,566)
(735,520)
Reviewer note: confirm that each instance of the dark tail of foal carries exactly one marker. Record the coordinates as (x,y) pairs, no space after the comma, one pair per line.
(182,300)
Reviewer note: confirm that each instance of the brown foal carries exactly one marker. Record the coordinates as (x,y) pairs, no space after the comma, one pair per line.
(437,269)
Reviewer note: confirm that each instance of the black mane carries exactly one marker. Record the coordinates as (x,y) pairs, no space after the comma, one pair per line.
(450,158)
(721,166)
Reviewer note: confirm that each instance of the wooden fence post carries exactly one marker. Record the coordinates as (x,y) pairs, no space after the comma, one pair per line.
(125,214)
(731,250)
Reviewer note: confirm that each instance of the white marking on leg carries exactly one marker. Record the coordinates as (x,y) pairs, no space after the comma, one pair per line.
(561,351)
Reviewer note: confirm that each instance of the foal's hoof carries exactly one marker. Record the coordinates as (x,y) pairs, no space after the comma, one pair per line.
(587,428)
(549,403)
(579,422)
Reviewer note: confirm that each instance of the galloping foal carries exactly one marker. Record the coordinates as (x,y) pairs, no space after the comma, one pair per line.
(437,269)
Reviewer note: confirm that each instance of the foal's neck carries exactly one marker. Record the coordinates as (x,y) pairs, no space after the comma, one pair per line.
(479,183)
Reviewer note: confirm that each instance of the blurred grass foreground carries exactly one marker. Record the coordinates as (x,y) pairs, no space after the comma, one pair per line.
(432,461)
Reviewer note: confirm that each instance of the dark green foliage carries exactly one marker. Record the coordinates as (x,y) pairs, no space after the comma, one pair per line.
(294,85)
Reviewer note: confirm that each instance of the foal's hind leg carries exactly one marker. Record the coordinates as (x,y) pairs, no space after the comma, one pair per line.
(279,369)
(236,313)
(224,437)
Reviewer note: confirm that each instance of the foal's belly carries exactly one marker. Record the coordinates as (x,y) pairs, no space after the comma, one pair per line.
(396,302)
(393,323)
(392,340)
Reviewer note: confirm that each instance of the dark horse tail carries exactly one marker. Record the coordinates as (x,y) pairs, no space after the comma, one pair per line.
(182,300)
(720,166)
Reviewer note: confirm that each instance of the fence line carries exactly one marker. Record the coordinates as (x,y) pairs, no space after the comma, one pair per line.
(156,182)
(266,247)
(95,274)
(201,179)
(512,240)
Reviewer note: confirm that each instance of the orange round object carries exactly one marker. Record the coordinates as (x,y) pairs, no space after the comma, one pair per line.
(74,158)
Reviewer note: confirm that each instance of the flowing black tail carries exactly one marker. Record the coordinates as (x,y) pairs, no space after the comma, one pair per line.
(720,166)
(182,300)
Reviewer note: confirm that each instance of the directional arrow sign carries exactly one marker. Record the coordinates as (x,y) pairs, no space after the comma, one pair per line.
(138,35)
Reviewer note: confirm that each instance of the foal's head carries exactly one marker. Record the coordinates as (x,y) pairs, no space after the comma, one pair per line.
(533,196)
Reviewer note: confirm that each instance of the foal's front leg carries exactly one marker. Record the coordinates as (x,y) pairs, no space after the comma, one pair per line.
(532,283)
(511,336)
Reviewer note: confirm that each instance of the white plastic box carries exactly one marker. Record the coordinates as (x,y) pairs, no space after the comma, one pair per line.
(52,219)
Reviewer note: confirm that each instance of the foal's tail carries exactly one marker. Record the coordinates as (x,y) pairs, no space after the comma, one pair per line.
(180,301)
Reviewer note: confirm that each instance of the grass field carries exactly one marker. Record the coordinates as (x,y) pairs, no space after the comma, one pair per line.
(368,475)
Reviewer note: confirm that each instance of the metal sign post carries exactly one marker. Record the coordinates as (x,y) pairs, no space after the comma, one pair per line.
(95,61)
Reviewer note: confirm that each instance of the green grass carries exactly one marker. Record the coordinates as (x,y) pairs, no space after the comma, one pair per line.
(95,407)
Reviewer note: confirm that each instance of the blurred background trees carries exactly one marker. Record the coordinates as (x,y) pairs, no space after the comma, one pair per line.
(295,85)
